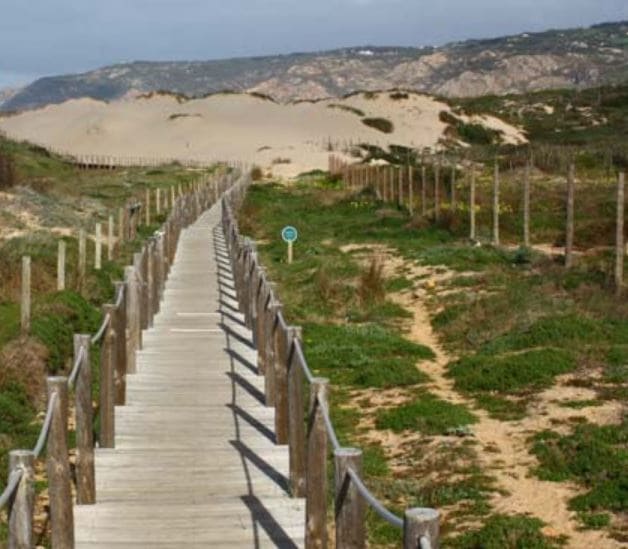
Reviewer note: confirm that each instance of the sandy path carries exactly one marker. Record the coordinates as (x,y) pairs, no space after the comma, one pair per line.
(508,458)
(503,448)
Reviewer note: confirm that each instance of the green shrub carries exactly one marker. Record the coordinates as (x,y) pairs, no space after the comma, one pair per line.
(363,355)
(381,124)
(511,374)
(427,414)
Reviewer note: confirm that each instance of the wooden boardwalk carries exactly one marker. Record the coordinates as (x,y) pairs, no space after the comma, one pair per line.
(195,463)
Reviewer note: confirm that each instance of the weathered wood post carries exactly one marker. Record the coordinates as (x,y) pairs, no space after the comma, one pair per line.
(496,205)
(133,330)
(23,504)
(472,206)
(85,475)
(121,227)
(158,201)
(58,467)
(296,427)
(423,191)
(110,238)
(61,252)
(620,250)
(400,197)
(269,380)
(437,191)
(120,328)
(281,384)
(411,190)
(316,484)
(25,303)
(569,237)
(98,247)
(454,205)
(526,206)
(349,505)
(421,523)
(107,390)
(147,207)
(82,259)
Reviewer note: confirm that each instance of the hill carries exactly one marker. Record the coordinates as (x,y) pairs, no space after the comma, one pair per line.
(573,58)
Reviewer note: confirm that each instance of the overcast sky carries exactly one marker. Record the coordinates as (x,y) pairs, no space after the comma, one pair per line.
(46,37)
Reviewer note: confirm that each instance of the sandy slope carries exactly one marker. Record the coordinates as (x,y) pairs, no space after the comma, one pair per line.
(233,127)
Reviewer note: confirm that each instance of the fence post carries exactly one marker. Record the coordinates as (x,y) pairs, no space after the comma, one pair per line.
(472,206)
(437,191)
(269,380)
(25,305)
(526,206)
(421,523)
(85,476)
(23,503)
(147,211)
(411,191)
(107,367)
(281,382)
(400,197)
(423,191)
(496,205)
(296,430)
(110,238)
(571,183)
(121,350)
(316,482)
(58,467)
(620,251)
(349,505)
(453,187)
(121,229)
(61,249)
(132,318)
(98,247)
(82,259)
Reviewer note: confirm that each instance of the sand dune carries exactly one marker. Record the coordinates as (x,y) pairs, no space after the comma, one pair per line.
(235,127)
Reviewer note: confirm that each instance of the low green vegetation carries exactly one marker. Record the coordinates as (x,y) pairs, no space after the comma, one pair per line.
(426,414)
(381,124)
(595,457)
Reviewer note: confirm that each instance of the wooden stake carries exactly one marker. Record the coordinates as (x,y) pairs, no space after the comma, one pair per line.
(82,259)
(98,242)
(421,523)
(23,503)
(472,235)
(496,205)
(85,474)
(110,238)
(620,251)
(569,238)
(107,390)
(526,206)
(61,252)
(58,466)
(349,505)
(25,305)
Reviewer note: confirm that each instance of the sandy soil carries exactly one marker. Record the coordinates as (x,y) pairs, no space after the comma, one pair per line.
(503,449)
(286,139)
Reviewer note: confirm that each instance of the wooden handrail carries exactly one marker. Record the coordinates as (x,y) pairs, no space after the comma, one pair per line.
(137,302)
(281,362)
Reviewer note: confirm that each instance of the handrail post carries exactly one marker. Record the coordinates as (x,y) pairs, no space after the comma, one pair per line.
(316,482)
(281,380)
(349,505)
(421,523)
(58,467)
(23,502)
(107,390)
(121,350)
(132,318)
(296,431)
(269,379)
(85,475)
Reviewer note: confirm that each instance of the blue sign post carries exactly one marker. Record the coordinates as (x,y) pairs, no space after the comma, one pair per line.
(289,235)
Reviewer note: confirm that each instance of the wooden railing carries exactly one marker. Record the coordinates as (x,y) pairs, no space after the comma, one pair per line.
(120,335)
(308,434)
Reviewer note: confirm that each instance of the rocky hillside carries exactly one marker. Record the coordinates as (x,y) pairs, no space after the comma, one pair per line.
(584,57)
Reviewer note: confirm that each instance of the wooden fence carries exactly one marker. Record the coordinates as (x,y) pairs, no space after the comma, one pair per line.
(120,335)
(436,190)
(309,433)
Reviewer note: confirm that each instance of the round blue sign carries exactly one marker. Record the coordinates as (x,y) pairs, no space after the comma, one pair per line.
(289,234)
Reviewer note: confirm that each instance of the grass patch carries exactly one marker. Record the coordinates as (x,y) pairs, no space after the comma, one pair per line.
(594,456)
(511,374)
(364,355)
(427,414)
(506,532)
